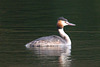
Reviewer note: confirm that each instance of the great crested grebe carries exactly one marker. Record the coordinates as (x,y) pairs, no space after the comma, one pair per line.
(53,40)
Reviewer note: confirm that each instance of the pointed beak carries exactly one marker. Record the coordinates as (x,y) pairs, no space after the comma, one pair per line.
(71,24)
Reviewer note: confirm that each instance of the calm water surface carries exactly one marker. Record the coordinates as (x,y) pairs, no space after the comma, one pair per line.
(26,20)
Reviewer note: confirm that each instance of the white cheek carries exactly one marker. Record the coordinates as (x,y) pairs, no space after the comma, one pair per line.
(64,24)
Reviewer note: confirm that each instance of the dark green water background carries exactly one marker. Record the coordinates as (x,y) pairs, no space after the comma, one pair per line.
(22,21)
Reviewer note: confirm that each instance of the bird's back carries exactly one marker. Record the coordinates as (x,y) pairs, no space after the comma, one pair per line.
(47,41)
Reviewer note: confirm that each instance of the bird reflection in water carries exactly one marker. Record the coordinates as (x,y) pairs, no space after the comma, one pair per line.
(65,60)
(63,54)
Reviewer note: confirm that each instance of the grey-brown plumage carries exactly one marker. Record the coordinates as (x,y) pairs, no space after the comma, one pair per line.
(47,41)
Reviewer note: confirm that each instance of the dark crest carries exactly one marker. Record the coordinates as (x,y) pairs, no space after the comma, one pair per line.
(62,18)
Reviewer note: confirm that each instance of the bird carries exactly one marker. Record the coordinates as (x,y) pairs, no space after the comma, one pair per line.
(54,40)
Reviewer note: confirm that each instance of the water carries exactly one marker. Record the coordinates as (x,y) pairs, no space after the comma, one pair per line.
(24,21)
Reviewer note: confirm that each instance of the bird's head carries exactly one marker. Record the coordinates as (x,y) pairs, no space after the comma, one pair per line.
(63,22)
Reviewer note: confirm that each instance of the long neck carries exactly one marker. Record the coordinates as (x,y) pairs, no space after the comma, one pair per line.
(64,36)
